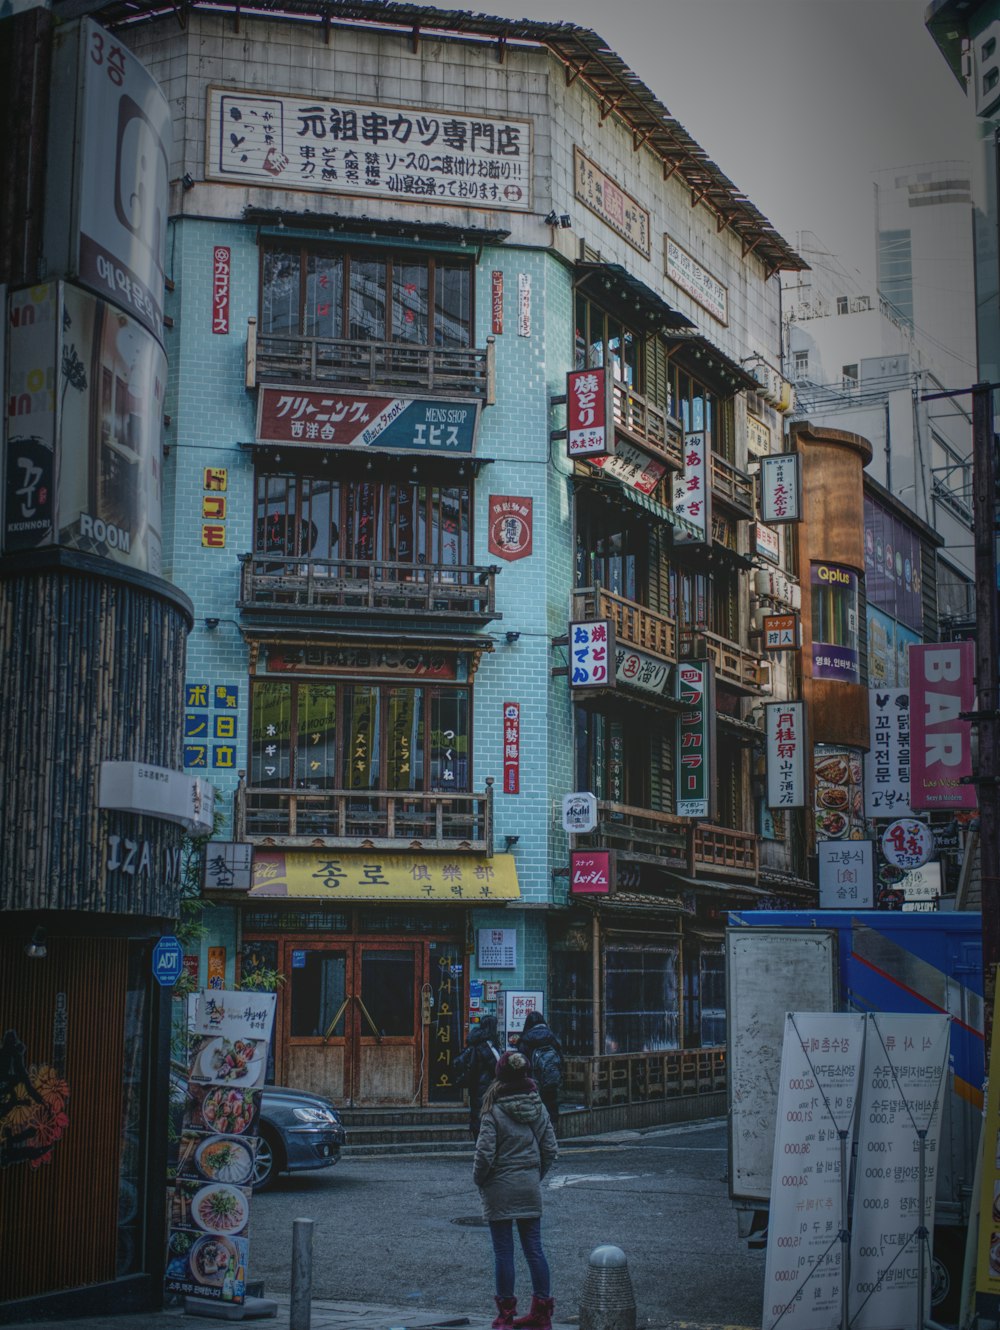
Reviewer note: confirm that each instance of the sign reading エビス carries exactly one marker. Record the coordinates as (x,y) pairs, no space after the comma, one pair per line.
(942,687)
(348,420)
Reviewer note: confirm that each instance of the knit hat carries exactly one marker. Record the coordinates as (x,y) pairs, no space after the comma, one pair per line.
(513,1066)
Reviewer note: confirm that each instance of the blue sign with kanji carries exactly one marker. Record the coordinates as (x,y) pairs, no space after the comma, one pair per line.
(168,961)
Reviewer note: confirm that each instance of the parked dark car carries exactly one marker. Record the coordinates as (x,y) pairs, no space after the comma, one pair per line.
(298,1130)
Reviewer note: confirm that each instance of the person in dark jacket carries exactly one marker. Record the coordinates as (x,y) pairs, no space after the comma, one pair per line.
(536,1036)
(515,1149)
(480,1056)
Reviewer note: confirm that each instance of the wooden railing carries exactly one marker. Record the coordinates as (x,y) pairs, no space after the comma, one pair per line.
(724,850)
(364,366)
(643,834)
(638,1078)
(732,485)
(371,819)
(649,425)
(635,625)
(344,586)
(733,663)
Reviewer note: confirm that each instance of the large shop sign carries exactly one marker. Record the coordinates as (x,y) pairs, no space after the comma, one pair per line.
(590,423)
(942,687)
(441,427)
(785,730)
(780,488)
(693,493)
(695,738)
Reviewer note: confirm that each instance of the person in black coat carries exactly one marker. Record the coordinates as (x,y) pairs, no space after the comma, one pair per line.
(536,1035)
(479,1063)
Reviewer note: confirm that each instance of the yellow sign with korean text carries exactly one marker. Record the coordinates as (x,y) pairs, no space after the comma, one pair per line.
(459,878)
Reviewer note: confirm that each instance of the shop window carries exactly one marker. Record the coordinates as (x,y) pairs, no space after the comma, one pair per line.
(712,968)
(701,409)
(641,998)
(602,339)
(612,550)
(617,759)
(571,1002)
(329,292)
(318,988)
(709,603)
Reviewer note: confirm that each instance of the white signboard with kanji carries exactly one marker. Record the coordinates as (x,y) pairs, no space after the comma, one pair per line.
(692,492)
(786,754)
(591,654)
(780,490)
(497,949)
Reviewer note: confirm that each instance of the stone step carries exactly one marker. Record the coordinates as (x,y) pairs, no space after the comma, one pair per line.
(444,1115)
(402,1133)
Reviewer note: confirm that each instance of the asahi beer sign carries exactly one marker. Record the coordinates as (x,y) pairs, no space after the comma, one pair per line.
(372,150)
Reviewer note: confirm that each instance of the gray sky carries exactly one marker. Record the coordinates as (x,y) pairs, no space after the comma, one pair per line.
(798,101)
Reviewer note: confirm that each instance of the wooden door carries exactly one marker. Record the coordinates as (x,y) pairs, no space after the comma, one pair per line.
(317,1019)
(387,979)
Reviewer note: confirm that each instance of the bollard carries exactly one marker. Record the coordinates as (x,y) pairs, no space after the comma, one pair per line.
(300,1312)
(608,1302)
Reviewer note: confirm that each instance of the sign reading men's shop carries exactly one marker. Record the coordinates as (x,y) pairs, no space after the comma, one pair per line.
(370,150)
(441,427)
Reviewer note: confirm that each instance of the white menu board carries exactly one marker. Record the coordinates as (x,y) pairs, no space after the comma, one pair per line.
(817,1091)
(906,1060)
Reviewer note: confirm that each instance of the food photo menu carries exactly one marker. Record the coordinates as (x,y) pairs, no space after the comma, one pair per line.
(209,1213)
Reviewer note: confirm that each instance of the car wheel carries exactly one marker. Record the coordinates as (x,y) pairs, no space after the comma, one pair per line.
(267,1163)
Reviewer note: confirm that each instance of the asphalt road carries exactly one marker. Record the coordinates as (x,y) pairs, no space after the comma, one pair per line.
(408,1232)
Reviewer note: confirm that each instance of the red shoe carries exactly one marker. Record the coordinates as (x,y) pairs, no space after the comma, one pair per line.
(540,1316)
(506,1307)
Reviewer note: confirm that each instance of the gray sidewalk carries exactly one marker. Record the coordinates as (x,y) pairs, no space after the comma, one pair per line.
(325,1316)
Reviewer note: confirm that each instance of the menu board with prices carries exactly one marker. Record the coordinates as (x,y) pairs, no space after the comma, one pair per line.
(902,1094)
(497,948)
(817,1092)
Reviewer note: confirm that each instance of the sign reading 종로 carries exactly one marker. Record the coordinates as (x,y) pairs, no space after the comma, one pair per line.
(370,150)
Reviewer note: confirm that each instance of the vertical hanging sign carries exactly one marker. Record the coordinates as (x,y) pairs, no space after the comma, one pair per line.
(942,686)
(780,488)
(524,304)
(590,425)
(512,748)
(497,302)
(786,754)
(591,650)
(221,273)
(695,776)
(692,492)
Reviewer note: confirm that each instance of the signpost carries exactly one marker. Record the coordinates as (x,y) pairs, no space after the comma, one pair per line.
(168,961)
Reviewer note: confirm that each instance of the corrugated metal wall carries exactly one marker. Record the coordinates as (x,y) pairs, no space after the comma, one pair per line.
(59,1220)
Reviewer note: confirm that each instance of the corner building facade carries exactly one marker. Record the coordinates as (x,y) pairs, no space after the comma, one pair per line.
(387,251)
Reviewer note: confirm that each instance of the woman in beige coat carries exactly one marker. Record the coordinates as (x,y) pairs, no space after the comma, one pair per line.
(515,1149)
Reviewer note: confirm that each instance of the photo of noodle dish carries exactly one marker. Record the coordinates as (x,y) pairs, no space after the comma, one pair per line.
(230,1061)
(225,1159)
(220,1208)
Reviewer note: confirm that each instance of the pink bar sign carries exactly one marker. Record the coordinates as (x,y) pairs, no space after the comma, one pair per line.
(942,687)
(590,872)
(221,273)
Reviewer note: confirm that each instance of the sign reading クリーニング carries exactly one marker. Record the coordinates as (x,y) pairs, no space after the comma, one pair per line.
(446,427)
(376,151)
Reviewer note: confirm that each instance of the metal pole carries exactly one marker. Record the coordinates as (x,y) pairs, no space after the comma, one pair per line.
(300,1312)
(987,668)
(845,1237)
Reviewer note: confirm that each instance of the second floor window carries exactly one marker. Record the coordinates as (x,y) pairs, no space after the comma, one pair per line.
(363,296)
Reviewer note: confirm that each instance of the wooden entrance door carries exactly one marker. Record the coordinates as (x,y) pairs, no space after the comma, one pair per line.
(350,1019)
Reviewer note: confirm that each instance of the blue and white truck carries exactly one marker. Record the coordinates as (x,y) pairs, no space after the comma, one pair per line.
(870,960)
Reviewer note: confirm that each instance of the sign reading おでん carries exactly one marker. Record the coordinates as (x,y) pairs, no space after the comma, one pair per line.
(591,652)
(372,150)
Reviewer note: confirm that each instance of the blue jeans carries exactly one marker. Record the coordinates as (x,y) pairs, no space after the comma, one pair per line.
(530,1233)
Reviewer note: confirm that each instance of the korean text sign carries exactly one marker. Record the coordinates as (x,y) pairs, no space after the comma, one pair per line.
(942,686)
(846,874)
(887,762)
(369,150)
(591,654)
(590,430)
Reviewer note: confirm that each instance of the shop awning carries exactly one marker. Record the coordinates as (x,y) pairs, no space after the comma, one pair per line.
(614,490)
(370,875)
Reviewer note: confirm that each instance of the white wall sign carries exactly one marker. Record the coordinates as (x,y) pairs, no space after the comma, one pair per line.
(846,874)
(497,949)
(820,1069)
(516,1005)
(907,843)
(579,812)
(767,542)
(784,724)
(780,488)
(524,304)
(692,492)
(921,884)
(697,281)
(906,1060)
(887,762)
(381,151)
(138,787)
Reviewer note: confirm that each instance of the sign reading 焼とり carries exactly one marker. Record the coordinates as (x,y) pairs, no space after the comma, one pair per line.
(817,1090)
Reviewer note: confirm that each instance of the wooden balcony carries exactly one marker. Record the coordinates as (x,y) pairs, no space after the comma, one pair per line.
(343,587)
(363,819)
(635,626)
(732,486)
(649,426)
(723,851)
(359,366)
(643,835)
(734,665)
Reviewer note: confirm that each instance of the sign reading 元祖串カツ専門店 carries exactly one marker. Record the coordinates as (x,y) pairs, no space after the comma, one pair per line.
(373,150)
(209,1211)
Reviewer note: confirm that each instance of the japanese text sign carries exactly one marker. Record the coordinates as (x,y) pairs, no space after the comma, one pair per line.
(510,530)
(695,736)
(497,949)
(692,492)
(786,754)
(632,467)
(443,427)
(846,874)
(511,748)
(942,686)
(591,654)
(591,872)
(780,488)
(367,150)
(496,302)
(887,762)
(697,281)
(780,632)
(638,669)
(516,1007)
(221,273)
(616,209)
(589,413)
(579,812)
